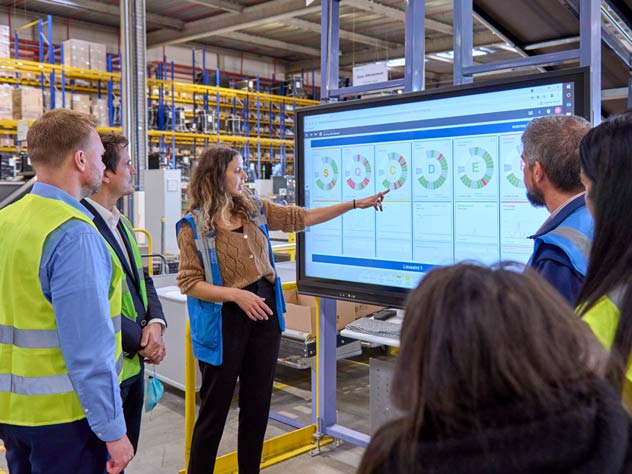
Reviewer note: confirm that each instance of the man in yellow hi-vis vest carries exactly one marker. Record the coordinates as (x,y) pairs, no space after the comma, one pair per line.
(60,294)
(143,319)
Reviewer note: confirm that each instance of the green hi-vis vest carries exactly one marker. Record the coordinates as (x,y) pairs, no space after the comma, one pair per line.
(35,388)
(603,320)
(131,366)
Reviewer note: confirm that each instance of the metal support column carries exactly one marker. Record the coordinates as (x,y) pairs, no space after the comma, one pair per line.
(329,47)
(327,364)
(590,55)
(51,60)
(134,87)
(415,46)
(463,39)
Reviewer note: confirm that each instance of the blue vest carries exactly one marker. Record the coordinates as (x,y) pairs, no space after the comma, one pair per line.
(206,316)
(573,236)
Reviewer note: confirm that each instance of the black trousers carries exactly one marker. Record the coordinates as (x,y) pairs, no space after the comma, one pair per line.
(250,352)
(133,396)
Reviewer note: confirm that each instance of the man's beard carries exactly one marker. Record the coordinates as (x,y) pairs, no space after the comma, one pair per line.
(91,189)
(535,197)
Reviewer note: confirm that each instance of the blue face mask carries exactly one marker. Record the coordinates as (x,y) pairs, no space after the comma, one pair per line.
(153,392)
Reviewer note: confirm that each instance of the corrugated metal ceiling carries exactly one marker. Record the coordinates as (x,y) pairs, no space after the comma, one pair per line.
(289,31)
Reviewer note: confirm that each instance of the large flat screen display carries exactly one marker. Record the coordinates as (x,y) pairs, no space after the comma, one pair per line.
(451,159)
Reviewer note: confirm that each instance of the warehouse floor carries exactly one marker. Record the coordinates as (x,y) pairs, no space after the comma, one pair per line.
(161,448)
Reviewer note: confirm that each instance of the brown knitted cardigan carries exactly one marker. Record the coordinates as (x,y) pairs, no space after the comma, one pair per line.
(243,256)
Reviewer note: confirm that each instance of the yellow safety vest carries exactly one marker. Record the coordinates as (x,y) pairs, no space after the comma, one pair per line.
(603,320)
(35,388)
(131,366)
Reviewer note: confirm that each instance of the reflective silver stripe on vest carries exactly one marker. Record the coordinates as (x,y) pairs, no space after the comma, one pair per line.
(203,245)
(49,385)
(616,296)
(119,365)
(206,261)
(29,338)
(116,322)
(260,220)
(576,237)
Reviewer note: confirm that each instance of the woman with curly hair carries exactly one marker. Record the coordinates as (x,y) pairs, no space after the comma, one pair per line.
(234,299)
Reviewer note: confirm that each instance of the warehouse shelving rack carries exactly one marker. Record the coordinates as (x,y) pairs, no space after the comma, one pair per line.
(272,134)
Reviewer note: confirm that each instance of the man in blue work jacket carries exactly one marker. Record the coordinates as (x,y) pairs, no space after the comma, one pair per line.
(551,176)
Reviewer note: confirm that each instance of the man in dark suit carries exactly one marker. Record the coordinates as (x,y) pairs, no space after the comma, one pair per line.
(143,321)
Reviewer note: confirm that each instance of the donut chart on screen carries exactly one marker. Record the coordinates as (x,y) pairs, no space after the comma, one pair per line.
(328,174)
(515,176)
(478,152)
(443,167)
(362,170)
(396,160)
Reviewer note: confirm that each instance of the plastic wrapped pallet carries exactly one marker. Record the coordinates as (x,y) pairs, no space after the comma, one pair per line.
(98,57)
(81,103)
(5,42)
(100,112)
(28,103)
(77,53)
(6,102)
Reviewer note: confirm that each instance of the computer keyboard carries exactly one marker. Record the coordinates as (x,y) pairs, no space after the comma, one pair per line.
(376,327)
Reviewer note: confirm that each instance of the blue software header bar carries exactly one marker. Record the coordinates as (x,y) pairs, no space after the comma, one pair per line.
(367,262)
(409,135)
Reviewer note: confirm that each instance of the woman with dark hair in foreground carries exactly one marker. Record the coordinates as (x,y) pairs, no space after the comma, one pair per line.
(605,300)
(496,375)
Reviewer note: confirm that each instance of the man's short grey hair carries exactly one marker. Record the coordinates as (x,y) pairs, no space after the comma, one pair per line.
(554,142)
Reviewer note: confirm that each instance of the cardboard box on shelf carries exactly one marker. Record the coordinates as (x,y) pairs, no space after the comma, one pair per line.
(81,103)
(301,312)
(27,103)
(100,112)
(58,100)
(6,102)
(98,57)
(5,42)
(77,53)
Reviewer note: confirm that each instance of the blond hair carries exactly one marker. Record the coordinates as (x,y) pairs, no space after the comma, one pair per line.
(56,134)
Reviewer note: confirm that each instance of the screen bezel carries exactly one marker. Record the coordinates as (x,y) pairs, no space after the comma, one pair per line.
(387,295)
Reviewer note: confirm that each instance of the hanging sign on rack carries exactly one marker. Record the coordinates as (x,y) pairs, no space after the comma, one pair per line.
(370,73)
(23,129)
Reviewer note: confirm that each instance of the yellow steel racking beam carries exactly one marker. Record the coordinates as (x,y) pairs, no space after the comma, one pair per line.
(70,89)
(222,138)
(26,66)
(23,66)
(34,67)
(11,125)
(230,93)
